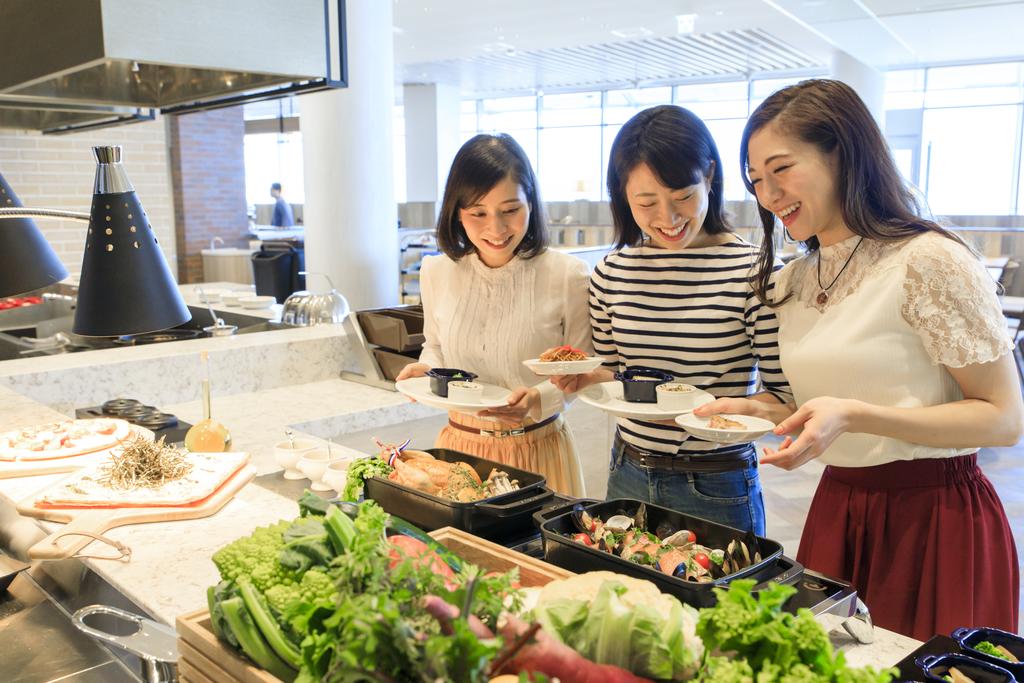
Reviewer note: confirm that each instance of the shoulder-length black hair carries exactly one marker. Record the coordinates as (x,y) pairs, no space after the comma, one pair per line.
(678,147)
(873,198)
(481,163)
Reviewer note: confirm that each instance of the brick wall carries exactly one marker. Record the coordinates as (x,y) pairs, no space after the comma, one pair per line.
(56,172)
(208,171)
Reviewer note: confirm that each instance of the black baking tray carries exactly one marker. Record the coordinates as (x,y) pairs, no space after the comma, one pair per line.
(565,552)
(490,517)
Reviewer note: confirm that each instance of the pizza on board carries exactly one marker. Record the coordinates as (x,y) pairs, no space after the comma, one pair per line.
(89,488)
(63,439)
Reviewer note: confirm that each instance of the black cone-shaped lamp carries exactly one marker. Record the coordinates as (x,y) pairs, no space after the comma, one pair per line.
(126,286)
(27,261)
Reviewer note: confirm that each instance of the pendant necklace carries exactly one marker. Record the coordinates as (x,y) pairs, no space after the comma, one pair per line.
(822,298)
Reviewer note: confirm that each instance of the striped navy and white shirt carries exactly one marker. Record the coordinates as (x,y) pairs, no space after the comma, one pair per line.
(691,313)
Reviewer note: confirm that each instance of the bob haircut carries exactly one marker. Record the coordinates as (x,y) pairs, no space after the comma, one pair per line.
(874,201)
(481,163)
(678,147)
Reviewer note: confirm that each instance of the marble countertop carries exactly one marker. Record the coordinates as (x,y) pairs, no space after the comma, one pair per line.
(171,568)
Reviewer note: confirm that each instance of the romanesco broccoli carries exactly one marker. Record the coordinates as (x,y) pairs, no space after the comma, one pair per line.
(256,557)
(315,587)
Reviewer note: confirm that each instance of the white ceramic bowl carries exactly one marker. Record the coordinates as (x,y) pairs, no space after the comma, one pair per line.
(313,464)
(465,392)
(257,302)
(336,474)
(287,454)
(233,298)
(676,395)
(210,296)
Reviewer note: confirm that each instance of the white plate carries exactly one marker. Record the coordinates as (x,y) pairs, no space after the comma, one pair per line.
(608,397)
(563,367)
(698,427)
(418,388)
(257,302)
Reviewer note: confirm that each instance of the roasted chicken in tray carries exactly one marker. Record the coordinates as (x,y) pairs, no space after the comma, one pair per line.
(453,480)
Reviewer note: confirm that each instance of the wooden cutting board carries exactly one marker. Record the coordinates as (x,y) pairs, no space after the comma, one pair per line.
(58,546)
(10,469)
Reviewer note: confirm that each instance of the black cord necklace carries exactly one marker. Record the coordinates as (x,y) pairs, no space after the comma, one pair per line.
(822,298)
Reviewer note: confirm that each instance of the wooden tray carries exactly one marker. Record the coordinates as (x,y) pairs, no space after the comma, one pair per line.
(204,658)
(59,545)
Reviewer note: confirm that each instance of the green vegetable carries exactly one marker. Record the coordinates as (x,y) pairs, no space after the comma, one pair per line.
(645,632)
(359,471)
(270,629)
(252,643)
(306,543)
(256,558)
(776,645)
(988,648)
(340,529)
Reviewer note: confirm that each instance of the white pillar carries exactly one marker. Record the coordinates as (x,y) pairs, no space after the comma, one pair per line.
(350,213)
(866,80)
(431,138)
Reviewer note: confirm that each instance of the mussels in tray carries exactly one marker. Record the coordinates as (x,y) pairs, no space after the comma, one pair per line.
(672,551)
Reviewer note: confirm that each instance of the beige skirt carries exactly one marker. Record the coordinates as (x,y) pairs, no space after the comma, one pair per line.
(549,451)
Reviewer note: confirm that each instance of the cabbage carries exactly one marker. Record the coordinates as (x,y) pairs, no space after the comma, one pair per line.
(613,619)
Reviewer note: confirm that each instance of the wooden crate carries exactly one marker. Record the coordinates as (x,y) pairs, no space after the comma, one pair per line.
(204,659)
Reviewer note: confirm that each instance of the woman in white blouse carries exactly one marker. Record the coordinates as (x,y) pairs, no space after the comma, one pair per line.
(894,344)
(496,297)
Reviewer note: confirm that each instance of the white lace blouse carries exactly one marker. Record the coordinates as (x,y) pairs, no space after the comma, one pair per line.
(489,320)
(896,318)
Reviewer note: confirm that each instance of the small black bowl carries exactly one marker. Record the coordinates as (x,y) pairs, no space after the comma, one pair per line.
(936,666)
(969,638)
(439,378)
(638,384)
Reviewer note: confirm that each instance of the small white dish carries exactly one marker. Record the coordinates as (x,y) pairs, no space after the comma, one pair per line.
(607,396)
(753,428)
(465,392)
(233,298)
(287,454)
(210,296)
(563,367)
(336,474)
(313,464)
(257,302)
(418,389)
(676,395)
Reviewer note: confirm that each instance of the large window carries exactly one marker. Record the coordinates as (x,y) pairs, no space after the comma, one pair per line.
(273,158)
(965,151)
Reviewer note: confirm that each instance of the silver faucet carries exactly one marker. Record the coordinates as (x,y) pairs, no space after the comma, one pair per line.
(213,242)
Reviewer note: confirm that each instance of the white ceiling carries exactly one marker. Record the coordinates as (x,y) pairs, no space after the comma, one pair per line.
(529,44)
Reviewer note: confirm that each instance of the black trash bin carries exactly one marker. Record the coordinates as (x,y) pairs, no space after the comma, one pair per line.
(275,269)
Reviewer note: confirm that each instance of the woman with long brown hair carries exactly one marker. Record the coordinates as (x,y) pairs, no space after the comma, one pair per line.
(894,344)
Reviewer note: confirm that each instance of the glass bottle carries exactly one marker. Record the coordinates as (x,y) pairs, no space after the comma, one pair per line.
(207,435)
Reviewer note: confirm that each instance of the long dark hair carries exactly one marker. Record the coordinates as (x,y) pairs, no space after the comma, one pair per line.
(679,148)
(874,200)
(481,163)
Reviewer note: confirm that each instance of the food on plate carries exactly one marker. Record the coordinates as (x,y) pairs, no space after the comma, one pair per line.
(562,354)
(676,388)
(994,650)
(669,550)
(132,481)
(957,676)
(465,392)
(719,422)
(440,377)
(63,439)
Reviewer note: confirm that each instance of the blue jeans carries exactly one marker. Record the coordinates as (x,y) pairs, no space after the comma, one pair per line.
(731,498)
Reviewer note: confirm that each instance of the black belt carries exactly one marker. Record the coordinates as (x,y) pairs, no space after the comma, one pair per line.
(683,463)
(501,433)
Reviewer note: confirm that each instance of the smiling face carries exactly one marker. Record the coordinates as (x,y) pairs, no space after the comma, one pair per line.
(796,181)
(671,217)
(496,222)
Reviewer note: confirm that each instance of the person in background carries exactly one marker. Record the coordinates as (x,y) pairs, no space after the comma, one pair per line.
(893,340)
(498,296)
(675,295)
(282,217)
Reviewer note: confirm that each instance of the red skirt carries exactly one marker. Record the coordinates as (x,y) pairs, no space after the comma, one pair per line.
(926,543)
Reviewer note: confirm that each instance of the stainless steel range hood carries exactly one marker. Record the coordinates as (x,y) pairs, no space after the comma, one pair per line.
(69,64)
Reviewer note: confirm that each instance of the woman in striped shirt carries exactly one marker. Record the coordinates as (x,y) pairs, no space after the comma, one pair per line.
(675,295)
